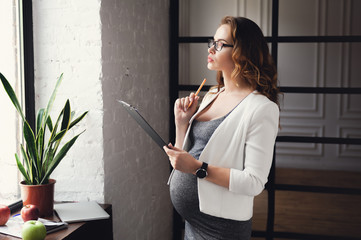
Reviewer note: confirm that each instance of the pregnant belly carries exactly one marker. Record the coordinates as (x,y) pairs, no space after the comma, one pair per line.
(184,194)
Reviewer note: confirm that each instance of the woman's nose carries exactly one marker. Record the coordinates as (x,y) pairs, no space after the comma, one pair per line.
(211,49)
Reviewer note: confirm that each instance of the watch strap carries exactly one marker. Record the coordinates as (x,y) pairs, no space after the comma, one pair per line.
(204,166)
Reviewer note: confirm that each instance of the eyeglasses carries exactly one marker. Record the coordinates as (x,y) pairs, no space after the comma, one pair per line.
(217,45)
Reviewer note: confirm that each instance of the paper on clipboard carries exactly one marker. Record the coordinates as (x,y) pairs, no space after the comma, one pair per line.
(143,123)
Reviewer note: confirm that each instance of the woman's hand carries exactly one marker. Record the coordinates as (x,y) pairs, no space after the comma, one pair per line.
(182,160)
(182,113)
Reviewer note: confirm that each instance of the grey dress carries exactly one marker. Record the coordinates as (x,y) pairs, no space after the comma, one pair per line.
(184,196)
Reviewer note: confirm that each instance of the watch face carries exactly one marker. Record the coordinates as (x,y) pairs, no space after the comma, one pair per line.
(201,173)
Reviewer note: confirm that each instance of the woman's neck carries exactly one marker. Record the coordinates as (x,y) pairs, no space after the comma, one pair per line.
(232,85)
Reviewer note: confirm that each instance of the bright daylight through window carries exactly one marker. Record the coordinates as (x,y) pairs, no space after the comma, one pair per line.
(11,68)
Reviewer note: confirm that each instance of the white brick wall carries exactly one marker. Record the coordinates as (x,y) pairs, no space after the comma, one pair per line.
(109,50)
(67,39)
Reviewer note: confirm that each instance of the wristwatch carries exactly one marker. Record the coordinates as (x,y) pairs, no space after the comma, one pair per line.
(202,171)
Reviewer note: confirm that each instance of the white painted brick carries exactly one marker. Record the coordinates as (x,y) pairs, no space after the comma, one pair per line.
(67,39)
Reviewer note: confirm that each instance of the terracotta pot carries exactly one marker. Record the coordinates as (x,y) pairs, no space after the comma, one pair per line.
(40,195)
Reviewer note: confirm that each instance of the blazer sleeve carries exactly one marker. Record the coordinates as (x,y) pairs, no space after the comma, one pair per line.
(258,152)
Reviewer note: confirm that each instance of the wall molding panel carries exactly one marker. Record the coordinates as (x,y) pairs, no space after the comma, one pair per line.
(349,151)
(350,108)
(298,149)
(297,111)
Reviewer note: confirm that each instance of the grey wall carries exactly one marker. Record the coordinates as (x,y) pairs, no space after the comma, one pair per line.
(135,69)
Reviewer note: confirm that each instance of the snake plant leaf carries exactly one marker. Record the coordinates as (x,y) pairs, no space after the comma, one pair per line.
(63,151)
(28,163)
(52,98)
(49,123)
(22,170)
(54,134)
(39,119)
(49,156)
(30,141)
(73,123)
(40,144)
(66,116)
(12,95)
(40,132)
(66,113)
(55,128)
(59,136)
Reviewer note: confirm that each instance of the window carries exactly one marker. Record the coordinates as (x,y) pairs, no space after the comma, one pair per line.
(11,68)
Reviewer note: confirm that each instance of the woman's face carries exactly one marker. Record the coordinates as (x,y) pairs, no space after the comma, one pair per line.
(221,60)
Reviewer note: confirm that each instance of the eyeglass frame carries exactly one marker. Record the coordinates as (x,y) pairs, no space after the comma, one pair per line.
(213,43)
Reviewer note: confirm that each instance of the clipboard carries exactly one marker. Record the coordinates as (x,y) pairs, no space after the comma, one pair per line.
(143,123)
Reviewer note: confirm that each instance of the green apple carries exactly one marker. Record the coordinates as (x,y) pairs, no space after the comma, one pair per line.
(33,230)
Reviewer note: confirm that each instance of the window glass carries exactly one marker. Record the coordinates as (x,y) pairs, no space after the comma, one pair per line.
(9,123)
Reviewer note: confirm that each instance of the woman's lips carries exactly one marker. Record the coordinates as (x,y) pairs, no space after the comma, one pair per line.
(210,59)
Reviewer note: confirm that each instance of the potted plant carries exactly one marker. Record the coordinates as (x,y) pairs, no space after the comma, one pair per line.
(40,155)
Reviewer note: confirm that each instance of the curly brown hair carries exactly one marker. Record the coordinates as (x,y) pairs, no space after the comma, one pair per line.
(252,58)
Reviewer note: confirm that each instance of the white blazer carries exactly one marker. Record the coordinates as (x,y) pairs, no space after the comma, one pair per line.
(243,142)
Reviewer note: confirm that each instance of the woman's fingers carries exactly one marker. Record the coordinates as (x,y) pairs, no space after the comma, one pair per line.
(180,159)
(186,102)
(170,150)
(192,95)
